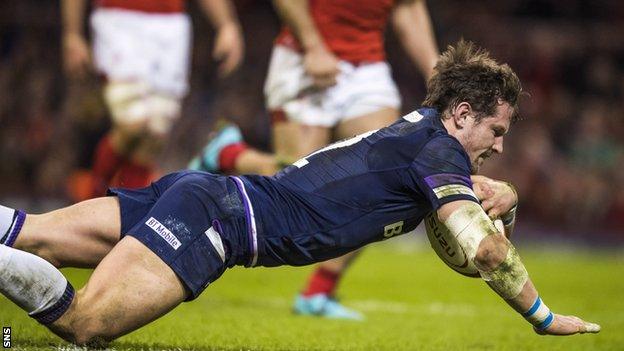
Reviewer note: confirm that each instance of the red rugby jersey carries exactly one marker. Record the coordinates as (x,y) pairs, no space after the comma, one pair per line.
(152,6)
(352,29)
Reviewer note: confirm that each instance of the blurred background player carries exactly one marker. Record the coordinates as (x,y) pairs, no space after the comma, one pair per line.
(142,50)
(328,80)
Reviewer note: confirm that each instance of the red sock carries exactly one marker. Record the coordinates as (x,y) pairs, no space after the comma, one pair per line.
(106,162)
(133,175)
(229,155)
(322,281)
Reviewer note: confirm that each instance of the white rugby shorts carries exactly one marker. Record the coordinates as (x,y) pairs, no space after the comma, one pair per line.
(360,90)
(150,48)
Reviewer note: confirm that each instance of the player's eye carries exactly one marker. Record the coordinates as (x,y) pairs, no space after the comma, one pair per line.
(498,132)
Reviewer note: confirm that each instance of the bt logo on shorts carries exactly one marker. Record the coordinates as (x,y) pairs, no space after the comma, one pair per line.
(393,229)
(163,232)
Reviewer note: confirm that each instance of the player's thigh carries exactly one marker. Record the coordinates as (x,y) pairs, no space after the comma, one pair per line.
(370,121)
(77,236)
(294,140)
(131,287)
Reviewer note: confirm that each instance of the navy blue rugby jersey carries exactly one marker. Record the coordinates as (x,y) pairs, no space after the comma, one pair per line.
(360,190)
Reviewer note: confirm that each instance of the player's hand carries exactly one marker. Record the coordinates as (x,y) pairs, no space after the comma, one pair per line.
(496,197)
(322,66)
(229,48)
(76,55)
(569,325)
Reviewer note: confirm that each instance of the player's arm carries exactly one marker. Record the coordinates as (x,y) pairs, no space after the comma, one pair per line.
(319,62)
(76,56)
(501,268)
(229,45)
(498,199)
(412,25)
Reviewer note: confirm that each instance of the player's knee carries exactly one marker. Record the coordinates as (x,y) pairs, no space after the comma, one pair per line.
(88,326)
(89,338)
(138,109)
(164,110)
(129,131)
(491,252)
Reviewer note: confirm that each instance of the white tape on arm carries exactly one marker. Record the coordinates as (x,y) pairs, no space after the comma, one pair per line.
(470,224)
(509,277)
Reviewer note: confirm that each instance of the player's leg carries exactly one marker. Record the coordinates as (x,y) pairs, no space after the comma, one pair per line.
(130,288)
(130,274)
(226,152)
(143,90)
(294,140)
(370,121)
(135,283)
(75,236)
(145,118)
(373,106)
(318,294)
(317,298)
(128,126)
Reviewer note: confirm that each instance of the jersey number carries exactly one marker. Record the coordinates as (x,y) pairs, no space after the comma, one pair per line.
(393,229)
(343,143)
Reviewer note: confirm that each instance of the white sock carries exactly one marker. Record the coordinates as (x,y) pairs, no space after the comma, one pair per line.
(11,222)
(34,284)
(6,219)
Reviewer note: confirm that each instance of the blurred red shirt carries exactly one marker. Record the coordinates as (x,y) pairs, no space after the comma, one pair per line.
(352,30)
(150,6)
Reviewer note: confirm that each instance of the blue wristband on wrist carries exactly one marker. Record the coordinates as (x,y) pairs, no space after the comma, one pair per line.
(539,315)
(546,323)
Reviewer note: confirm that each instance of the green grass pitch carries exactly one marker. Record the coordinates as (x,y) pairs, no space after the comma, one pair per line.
(411,300)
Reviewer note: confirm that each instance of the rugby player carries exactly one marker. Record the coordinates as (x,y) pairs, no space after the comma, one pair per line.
(162,245)
(142,49)
(328,80)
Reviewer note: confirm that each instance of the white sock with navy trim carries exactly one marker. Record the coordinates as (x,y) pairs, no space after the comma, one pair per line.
(34,285)
(11,222)
(6,220)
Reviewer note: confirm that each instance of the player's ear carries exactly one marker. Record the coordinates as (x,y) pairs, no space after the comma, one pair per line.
(460,114)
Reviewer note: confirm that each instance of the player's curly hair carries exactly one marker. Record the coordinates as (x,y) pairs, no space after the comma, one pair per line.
(465,72)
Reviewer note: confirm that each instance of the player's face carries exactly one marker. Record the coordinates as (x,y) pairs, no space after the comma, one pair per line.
(485,137)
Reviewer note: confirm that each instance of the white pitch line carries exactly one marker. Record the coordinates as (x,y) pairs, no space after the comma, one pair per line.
(380,306)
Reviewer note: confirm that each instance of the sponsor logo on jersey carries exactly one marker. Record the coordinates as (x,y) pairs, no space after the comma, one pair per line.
(164,233)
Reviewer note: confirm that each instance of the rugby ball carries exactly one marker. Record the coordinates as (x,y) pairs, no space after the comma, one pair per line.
(446,247)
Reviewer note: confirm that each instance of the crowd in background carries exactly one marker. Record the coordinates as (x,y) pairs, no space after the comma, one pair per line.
(566,156)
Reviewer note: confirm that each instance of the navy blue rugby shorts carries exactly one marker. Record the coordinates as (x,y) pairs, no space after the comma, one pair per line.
(194,221)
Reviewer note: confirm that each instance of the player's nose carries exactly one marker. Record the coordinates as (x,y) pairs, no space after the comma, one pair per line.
(498,145)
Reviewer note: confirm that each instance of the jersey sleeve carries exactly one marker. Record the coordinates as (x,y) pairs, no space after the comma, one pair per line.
(441,171)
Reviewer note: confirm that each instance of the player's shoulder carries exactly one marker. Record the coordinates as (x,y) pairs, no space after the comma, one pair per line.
(436,146)
(399,144)
(419,127)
